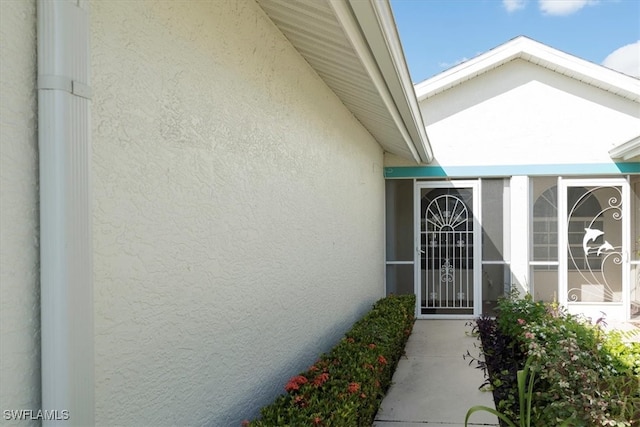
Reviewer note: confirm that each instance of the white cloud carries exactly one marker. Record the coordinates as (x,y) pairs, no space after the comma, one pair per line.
(625,59)
(447,65)
(513,5)
(563,7)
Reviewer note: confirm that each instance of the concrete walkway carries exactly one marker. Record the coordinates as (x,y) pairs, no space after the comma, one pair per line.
(433,386)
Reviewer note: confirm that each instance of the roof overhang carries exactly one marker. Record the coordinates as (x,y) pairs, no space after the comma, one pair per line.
(355,48)
(627,150)
(537,53)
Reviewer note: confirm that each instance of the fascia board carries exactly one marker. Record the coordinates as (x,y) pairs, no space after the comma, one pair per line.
(597,75)
(538,53)
(378,25)
(468,69)
(387,84)
(626,150)
(402,76)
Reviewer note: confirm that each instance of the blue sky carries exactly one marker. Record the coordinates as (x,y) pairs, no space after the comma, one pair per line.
(438,34)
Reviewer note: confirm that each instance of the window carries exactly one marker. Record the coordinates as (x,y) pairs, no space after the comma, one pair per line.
(544,239)
(545,227)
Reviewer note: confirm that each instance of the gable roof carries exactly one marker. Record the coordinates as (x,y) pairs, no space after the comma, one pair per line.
(537,53)
(354,47)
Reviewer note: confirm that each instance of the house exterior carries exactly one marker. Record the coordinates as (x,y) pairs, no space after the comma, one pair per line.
(535,185)
(198,198)
(192,200)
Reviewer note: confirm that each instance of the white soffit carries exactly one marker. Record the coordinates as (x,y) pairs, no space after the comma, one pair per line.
(355,49)
(627,150)
(537,53)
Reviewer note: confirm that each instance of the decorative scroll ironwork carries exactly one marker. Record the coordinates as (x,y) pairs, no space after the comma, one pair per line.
(448,241)
(446,272)
(596,259)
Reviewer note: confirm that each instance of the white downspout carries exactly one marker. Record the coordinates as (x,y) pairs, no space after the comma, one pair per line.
(66,273)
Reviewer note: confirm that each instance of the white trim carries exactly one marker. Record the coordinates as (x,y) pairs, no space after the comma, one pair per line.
(377,23)
(626,150)
(537,53)
(626,245)
(66,273)
(385,227)
(506,222)
(477,249)
(367,26)
(447,317)
(562,241)
(417,276)
(520,211)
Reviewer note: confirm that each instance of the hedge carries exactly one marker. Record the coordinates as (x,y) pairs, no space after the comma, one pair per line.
(345,386)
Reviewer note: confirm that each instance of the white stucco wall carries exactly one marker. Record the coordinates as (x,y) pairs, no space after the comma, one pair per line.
(238,212)
(521,113)
(19,274)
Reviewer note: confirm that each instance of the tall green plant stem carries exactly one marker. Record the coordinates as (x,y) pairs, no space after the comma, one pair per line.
(525,395)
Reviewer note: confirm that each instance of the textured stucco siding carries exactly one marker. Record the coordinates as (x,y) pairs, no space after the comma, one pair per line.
(521,113)
(19,274)
(238,212)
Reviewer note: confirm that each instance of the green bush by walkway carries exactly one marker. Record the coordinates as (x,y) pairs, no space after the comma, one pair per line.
(345,386)
(584,375)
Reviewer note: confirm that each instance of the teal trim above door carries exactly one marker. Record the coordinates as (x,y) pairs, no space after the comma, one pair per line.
(590,169)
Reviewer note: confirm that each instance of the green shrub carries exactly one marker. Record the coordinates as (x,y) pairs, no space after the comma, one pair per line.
(345,386)
(514,312)
(626,354)
(585,374)
(578,379)
(525,382)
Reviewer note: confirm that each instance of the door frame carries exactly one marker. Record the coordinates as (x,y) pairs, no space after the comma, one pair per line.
(475,186)
(615,311)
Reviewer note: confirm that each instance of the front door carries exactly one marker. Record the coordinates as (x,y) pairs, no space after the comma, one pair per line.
(448,258)
(594,232)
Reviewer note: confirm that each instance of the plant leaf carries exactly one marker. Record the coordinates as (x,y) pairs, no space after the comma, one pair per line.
(489,410)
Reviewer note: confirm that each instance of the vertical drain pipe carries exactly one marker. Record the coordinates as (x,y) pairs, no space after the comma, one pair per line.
(66,282)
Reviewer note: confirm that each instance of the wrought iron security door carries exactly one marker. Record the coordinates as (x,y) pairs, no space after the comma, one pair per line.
(595,236)
(447,251)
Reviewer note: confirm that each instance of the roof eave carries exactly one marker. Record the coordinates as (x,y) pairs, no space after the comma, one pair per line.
(377,24)
(626,150)
(532,51)
(354,47)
